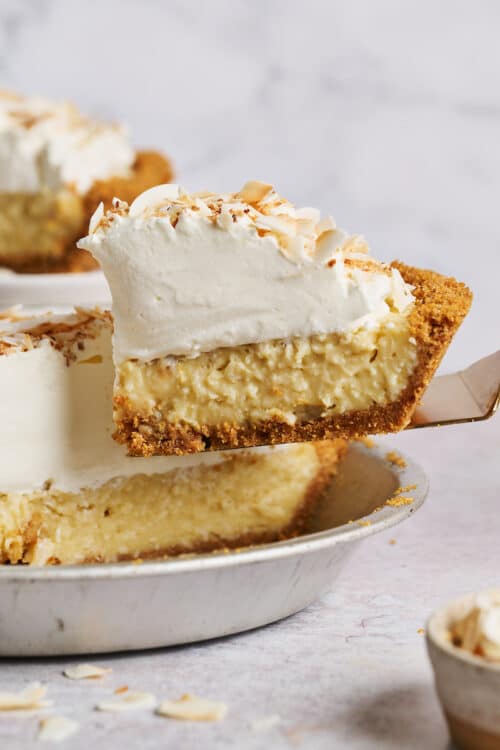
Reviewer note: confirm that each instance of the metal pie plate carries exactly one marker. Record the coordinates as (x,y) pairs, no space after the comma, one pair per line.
(125,606)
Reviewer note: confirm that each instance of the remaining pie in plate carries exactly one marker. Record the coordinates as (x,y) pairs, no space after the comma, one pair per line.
(70,494)
(241,320)
(56,165)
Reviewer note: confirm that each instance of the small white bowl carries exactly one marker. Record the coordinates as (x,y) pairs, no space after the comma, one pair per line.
(468,686)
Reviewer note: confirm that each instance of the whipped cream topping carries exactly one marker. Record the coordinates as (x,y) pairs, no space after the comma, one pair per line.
(45,144)
(56,374)
(479,630)
(190,273)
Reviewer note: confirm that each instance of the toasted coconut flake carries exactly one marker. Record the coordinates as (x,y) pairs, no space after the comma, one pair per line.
(467,632)
(96,218)
(85,672)
(329,242)
(299,249)
(29,698)
(57,728)
(203,194)
(119,206)
(356,244)
(308,213)
(132,700)
(306,227)
(154,197)
(225,220)
(328,222)
(13,313)
(191,708)
(280,224)
(253,192)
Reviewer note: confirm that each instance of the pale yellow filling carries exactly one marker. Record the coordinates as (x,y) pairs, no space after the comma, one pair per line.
(303,378)
(248,495)
(38,225)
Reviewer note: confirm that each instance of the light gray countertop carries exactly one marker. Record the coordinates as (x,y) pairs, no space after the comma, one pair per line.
(385,114)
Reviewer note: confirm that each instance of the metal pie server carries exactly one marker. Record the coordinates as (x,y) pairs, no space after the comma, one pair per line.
(466,396)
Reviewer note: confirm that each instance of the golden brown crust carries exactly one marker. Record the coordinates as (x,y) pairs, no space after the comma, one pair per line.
(71,260)
(150,168)
(329,453)
(441,304)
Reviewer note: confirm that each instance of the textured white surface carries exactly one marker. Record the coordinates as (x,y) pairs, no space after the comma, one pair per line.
(385,114)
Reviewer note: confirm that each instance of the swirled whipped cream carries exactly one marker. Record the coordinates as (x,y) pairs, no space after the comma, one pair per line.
(478,632)
(45,144)
(56,377)
(190,273)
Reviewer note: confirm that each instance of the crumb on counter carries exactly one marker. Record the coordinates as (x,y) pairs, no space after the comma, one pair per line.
(397,502)
(395,459)
(367,441)
(409,488)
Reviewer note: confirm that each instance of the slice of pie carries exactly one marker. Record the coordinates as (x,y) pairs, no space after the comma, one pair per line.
(56,165)
(241,320)
(70,494)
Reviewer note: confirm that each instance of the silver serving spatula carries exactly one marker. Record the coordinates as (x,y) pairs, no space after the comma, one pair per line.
(466,396)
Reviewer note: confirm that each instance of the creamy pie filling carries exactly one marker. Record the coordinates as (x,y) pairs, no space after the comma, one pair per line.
(244,499)
(300,379)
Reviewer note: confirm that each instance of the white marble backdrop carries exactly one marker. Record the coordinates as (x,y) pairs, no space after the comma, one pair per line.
(384,113)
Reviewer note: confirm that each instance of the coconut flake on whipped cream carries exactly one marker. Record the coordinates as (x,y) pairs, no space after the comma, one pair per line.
(51,145)
(478,632)
(193,272)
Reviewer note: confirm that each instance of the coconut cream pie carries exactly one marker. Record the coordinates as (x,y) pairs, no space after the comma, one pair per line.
(69,493)
(241,320)
(56,165)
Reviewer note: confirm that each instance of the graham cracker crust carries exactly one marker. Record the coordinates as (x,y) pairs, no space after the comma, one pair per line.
(150,168)
(441,304)
(329,453)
